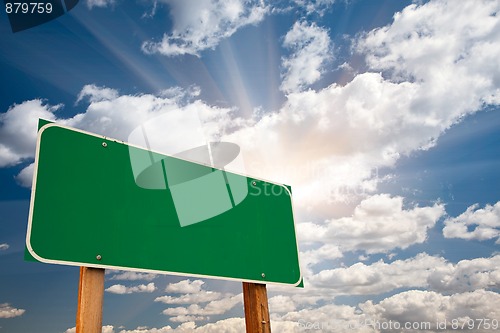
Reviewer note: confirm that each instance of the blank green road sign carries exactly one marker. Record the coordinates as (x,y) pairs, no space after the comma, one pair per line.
(99,202)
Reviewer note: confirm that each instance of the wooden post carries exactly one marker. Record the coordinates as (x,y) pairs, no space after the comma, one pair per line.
(256,308)
(90,298)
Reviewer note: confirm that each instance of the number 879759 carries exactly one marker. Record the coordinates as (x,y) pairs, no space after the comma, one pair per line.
(28,7)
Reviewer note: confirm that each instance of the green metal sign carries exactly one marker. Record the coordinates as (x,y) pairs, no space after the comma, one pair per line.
(100,202)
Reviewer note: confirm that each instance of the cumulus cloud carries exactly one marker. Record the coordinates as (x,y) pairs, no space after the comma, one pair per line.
(475,223)
(203,24)
(345,133)
(105,329)
(437,43)
(197,312)
(315,6)
(378,224)
(7,311)
(18,130)
(326,318)
(422,271)
(430,68)
(25,177)
(121,289)
(281,304)
(230,325)
(466,275)
(310,47)
(109,114)
(192,293)
(96,94)
(416,306)
(342,133)
(379,277)
(201,296)
(413,310)
(133,276)
(185,286)
(324,253)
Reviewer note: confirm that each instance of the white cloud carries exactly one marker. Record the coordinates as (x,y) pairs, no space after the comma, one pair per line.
(108,114)
(4,246)
(466,275)
(283,326)
(343,132)
(105,329)
(203,24)
(185,287)
(25,177)
(378,224)
(133,276)
(422,271)
(417,306)
(326,318)
(183,319)
(229,325)
(18,130)
(192,293)
(438,64)
(164,329)
(346,132)
(96,94)
(438,43)
(201,296)
(485,222)
(312,257)
(121,289)
(310,47)
(379,277)
(217,307)
(281,304)
(7,311)
(99,3)
(315,6)
(413,310)
(327,143)
(117,117)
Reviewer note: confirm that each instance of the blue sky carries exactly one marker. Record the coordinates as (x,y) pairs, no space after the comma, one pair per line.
(382,115)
